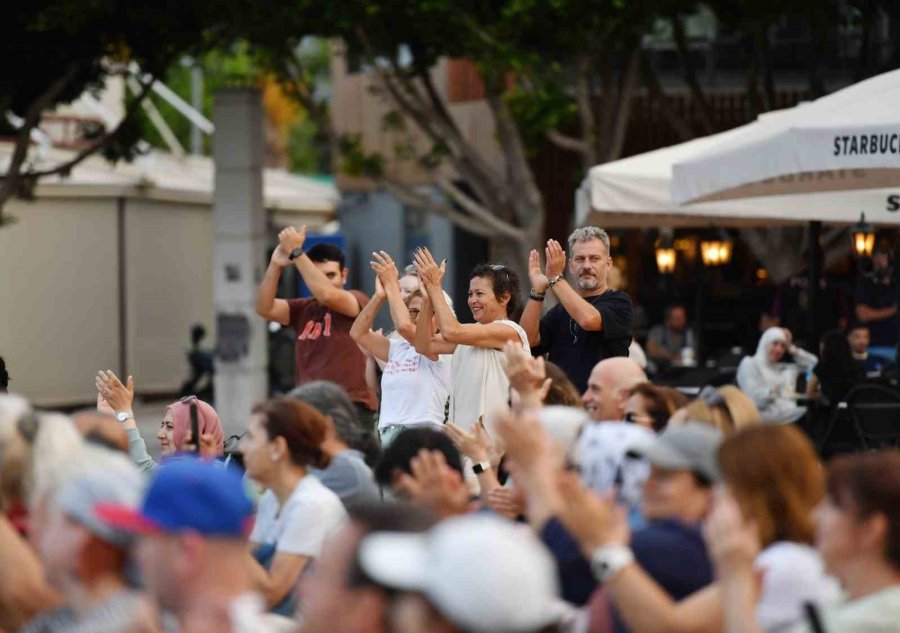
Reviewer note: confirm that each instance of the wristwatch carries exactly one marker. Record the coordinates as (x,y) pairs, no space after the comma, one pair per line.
(297,252)
(121,416)
(554,280)
(481,467)
(608,560)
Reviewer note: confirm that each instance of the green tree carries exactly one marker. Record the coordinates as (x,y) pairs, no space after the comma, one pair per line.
(54,50)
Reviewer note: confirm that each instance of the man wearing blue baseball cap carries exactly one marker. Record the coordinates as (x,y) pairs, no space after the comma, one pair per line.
(194,522)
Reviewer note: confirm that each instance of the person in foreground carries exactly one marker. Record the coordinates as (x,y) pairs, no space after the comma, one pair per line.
(453,578)
(857,534)
(773,474)
(193,524)
(297,512)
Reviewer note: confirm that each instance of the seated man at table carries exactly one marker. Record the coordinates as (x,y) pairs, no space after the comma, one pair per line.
(666,341)
(858,336)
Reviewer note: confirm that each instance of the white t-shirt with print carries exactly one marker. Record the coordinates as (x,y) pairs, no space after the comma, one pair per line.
(792,575)
(480,385)
(414,388)
(310,515)
(604,460)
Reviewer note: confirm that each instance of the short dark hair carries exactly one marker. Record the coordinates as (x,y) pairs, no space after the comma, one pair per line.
(667,311)
(407,444)
(4,376)
(503,279)
(327,253)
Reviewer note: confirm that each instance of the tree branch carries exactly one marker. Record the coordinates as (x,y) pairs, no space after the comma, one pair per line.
(566,142)
(623,104)
(586,113)
(656,92)
(478,211)
(13,176)
(690,74)
(408,196)
(93,149)
(521,185)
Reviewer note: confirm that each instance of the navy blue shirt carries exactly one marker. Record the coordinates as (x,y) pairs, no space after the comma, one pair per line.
(577,351)
(878,295)
(671,552)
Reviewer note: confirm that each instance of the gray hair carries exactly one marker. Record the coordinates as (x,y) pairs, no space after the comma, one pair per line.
(332,400)
(410,271)
(586,233)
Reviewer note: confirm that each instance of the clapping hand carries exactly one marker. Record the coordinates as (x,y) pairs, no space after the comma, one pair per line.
(208,447)
(733,541)
(476,445)
(112,393)
(537,278)
(527,375)
(386,269)
(556,259)
(593,521)
(289,239)
(429,272)
(506,501)
(434,485)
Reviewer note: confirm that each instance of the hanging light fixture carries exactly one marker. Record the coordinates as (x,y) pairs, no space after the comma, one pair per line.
(863,237)
(665,256)
(715,252)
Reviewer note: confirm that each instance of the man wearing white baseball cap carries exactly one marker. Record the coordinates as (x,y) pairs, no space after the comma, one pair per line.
(476,573)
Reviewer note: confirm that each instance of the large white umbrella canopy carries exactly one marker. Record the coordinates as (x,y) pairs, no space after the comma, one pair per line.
(638,189)
(848,140)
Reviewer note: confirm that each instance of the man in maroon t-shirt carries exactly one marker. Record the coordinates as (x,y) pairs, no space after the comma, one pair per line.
(324,349)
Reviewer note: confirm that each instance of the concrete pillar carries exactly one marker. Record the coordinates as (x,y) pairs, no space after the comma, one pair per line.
(240,228)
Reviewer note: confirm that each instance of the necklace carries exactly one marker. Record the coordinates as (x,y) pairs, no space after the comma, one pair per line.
(573,326)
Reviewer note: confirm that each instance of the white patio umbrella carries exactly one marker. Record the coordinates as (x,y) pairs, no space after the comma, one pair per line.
(640,188)
(846,141)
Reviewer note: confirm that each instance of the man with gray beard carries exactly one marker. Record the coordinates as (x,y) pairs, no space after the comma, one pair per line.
(591,322)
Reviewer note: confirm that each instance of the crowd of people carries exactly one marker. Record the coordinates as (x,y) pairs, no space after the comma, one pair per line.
(515,474)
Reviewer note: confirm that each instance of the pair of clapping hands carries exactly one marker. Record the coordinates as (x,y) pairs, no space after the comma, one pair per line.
(387,274)
(114,397)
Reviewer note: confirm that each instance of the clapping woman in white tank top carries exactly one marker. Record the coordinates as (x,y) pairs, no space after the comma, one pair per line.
(478,384)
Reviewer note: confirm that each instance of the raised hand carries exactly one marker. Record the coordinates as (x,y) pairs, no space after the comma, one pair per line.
(528,445)
(506,501)
(379,288)
(429,272)
(475,444)
(527,375)
(556,259)
(733,541)
(592,520)
(538,279)
(386,269)
(434,485)
(117,396)
(288,240)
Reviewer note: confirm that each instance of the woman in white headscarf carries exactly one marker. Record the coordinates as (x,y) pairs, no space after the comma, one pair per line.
(771,383)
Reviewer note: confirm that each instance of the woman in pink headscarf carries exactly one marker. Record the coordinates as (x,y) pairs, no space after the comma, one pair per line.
(174,430)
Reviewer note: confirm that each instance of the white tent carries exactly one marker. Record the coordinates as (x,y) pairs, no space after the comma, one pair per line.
(640,188)
(854,132)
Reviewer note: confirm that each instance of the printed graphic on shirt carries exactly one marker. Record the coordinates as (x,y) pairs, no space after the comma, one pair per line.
(315,329)
(402,366)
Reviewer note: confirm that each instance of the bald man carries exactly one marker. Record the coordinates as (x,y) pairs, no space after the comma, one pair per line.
(604,446)
(608,385)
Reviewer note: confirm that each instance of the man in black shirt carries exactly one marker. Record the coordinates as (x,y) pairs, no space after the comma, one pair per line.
(591,321)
